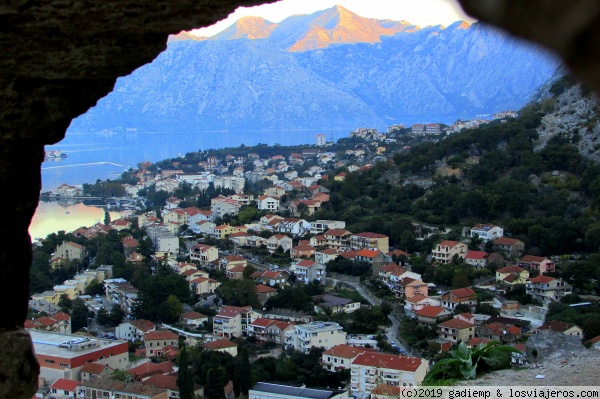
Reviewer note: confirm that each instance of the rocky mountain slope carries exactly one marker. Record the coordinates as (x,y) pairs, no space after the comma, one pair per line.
(328,70)
(574,113)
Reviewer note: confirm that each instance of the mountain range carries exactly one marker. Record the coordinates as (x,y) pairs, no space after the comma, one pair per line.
(329,70)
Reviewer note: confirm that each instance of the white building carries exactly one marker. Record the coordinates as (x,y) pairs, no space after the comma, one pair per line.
(321,140)
(308,270)
(317,334)
(487,232)
(168,245)
(268,203)
(321,226)
(371,369)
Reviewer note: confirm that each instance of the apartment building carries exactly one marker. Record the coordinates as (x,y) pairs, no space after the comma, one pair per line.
(445,251)
(317,334)
(233,321)
(547,289)
(308,270)
(370,240)
(371,369)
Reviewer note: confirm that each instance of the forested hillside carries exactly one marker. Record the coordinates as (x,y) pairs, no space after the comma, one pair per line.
(547,196)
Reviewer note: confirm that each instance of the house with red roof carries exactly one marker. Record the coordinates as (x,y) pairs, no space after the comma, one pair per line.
(319,241)
(512,247)
(452,298)
(203,254)
(456,330)
(302,250)
(258,328)
(512,275)
(236,272)
(547,289)
(148,369)
(268,203)
(477,259)
(93,370)
(417,302)
(369,240)
(445,251)
(134,330)
(561,327)
(59,322)
(309,207)
(222,345)
(156,341)
(374,257)
(272,277)
(325,255)
(279,240)
(338,239)
(432,315)
(233,321)
(476,342)
(130,244)
(307,271)
(392,369)
(70,250)
(499,332)
(340,357)
(120,224)
(193,319)
(64,388)
(538,263)
(204,285)
(169,382)
(264,292)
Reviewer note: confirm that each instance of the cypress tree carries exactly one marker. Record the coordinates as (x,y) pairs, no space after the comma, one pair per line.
(184,377)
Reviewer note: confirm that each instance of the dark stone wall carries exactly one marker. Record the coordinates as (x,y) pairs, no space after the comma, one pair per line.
(58,57)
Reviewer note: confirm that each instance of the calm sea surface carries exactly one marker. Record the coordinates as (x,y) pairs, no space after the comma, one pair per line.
(92,156)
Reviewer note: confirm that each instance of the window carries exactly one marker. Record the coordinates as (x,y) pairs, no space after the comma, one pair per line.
(64,364)
(49,361)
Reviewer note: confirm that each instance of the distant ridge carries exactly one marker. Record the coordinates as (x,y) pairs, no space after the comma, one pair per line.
(332,69)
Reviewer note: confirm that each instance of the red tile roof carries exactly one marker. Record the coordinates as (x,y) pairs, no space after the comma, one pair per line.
(150,368)
(476,255)
(143,325)
(65,384)
(220,344)
(556,325)
(306,263)
(456,323)
(191,315)
(336,232)
(511,269)
(154,335)
(368,253)
(163,381)
(380,360)
(263,289)
(531,258)
(262,322)
(93,368)
(347,351)
(416,298)
(429,311)
(541,279)
(463,293)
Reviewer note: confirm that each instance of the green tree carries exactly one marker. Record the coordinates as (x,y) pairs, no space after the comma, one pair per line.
(64,303)
(116,315)
(215,383)
(79,316)
(102,317)
(242,378)
(121,375)
(185,383)
(171,309)
(106,218)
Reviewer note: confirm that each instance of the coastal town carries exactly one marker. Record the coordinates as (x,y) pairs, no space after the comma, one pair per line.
(269,277)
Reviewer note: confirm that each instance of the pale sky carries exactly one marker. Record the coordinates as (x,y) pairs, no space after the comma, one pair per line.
(417,12)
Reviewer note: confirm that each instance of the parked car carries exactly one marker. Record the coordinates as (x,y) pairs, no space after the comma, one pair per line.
(518,315)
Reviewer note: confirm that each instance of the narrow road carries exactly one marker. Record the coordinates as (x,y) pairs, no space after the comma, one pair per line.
(392,331)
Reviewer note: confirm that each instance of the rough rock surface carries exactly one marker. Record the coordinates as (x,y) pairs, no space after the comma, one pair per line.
(561,359)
